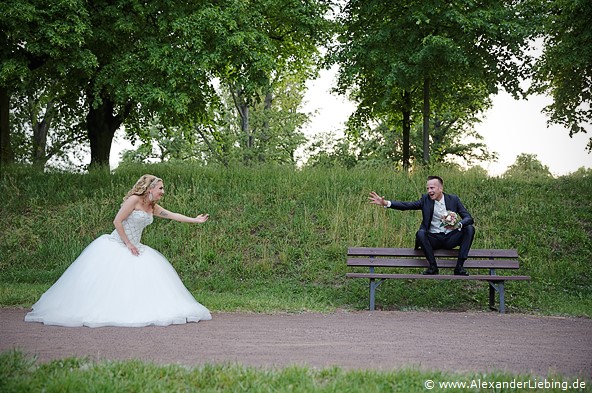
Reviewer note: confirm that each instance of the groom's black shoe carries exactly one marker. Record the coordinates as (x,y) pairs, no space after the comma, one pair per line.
(460,271)
(432,270)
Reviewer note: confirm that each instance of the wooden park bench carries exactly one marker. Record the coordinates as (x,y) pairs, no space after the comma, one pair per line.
(493,260)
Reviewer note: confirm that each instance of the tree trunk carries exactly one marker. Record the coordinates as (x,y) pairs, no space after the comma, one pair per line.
(40,131)
(213,150)
(426,120)
(6,156)
(245,128)
(242,106)
(264,135)
(267,108)
(406,128)
(101,125)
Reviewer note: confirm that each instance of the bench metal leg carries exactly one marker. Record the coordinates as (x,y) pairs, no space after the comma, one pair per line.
(373,285)
(502,297)
(499,287)
(372,294)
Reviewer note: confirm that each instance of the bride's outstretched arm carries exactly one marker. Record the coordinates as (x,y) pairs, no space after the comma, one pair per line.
(161,212)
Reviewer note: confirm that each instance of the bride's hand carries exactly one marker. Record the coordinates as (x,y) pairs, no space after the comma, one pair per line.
(133,249)
(202,218)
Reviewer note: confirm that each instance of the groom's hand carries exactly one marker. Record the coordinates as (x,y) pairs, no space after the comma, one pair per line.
(377,199)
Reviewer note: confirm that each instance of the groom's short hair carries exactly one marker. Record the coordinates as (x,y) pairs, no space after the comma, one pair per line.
(436,178)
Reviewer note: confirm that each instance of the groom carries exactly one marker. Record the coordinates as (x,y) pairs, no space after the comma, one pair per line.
(432,234)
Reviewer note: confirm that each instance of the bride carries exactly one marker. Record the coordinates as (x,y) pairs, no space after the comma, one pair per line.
(118,281)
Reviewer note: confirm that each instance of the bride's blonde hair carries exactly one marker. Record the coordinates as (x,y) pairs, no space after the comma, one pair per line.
(143,186)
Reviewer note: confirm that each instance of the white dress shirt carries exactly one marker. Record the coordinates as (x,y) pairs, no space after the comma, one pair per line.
(439,212)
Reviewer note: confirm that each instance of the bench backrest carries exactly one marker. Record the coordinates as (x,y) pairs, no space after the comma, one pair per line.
(410,252)
(408,257)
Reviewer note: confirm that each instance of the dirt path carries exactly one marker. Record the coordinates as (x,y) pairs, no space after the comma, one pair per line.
(361,340)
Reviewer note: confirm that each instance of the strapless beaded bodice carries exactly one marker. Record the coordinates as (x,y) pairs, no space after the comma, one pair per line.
(133,226)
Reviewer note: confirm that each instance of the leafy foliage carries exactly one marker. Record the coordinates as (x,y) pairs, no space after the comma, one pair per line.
(382,145)
(131,62)
(41,45)
(528,166)
(564,70)
(213,81)
(463,50)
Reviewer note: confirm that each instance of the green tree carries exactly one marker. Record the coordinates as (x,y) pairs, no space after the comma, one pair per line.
(45,127)
(394,56)
(382,145)
(154,59)
(564,71)
(453,137)
(274,126)
(159,58)
(45,130)
(528,166)
(293,32)
(38,37)
(160,144)
(327,150)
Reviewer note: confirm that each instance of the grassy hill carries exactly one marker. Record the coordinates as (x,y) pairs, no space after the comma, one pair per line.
(277,237)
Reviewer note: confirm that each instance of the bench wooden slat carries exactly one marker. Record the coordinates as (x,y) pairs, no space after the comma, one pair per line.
(410,252)
(438,277)
(422,263)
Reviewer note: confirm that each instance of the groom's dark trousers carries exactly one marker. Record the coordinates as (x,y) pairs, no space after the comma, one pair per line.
(432,241)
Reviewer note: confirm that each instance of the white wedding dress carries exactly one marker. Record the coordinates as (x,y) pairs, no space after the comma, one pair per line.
(109,286)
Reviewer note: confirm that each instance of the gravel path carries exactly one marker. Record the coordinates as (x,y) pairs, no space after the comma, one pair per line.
(382,340)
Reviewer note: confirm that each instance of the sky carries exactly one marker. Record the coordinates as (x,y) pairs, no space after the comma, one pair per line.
(509,128)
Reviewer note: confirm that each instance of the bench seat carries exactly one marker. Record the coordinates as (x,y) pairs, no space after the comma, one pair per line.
(442,263)
(486,277)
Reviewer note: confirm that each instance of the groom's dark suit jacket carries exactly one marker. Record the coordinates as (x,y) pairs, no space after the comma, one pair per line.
(426,205)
